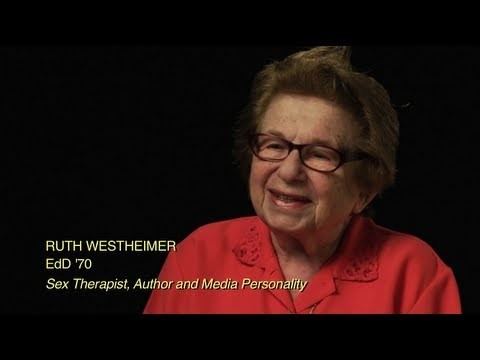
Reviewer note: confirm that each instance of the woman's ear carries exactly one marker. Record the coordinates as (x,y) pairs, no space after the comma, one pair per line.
(364,199)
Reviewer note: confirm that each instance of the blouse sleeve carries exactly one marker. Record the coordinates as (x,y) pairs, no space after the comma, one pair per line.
(440,296)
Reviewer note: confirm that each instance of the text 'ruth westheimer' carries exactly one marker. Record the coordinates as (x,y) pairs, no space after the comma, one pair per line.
(110,245)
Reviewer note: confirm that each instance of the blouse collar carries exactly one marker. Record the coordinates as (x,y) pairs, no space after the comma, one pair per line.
(356,259)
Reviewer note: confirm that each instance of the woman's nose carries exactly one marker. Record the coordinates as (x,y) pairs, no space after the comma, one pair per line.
(291,168)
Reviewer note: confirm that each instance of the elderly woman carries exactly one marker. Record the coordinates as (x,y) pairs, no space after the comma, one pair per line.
(318,143)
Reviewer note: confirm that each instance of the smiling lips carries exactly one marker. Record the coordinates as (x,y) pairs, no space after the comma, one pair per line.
(291,201)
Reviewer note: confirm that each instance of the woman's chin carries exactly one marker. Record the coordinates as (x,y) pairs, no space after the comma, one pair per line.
(286,223)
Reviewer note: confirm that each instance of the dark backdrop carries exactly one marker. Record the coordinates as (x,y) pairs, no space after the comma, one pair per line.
(134,142)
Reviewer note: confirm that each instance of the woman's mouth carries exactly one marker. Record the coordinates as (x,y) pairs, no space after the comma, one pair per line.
(288,200)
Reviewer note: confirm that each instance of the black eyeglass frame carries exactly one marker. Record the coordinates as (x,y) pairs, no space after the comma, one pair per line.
(344,156)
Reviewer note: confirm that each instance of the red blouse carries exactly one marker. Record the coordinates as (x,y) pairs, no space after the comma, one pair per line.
(374,270)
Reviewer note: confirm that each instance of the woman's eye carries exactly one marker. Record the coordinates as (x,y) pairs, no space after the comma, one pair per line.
(321,154)
(275,146)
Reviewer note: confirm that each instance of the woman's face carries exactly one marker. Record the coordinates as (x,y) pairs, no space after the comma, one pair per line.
(290,197)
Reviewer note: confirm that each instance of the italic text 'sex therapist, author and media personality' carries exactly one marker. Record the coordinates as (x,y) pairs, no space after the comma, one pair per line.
(317,143)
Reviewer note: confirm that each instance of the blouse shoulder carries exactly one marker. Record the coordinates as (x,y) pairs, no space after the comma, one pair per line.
(408,252)
(404,244)
(221,235)
(214,246)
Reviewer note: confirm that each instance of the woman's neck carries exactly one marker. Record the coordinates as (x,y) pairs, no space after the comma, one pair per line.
(302,255)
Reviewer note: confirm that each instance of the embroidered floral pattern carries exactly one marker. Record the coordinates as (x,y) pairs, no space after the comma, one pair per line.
(363,266)
(247,250)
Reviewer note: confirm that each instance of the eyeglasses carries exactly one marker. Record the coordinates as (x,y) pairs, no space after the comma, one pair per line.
(316,157)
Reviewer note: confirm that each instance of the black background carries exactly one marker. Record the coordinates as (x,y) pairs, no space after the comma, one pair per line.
(134,142)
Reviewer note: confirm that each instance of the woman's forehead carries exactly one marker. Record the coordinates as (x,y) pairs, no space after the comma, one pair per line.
(307,119)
